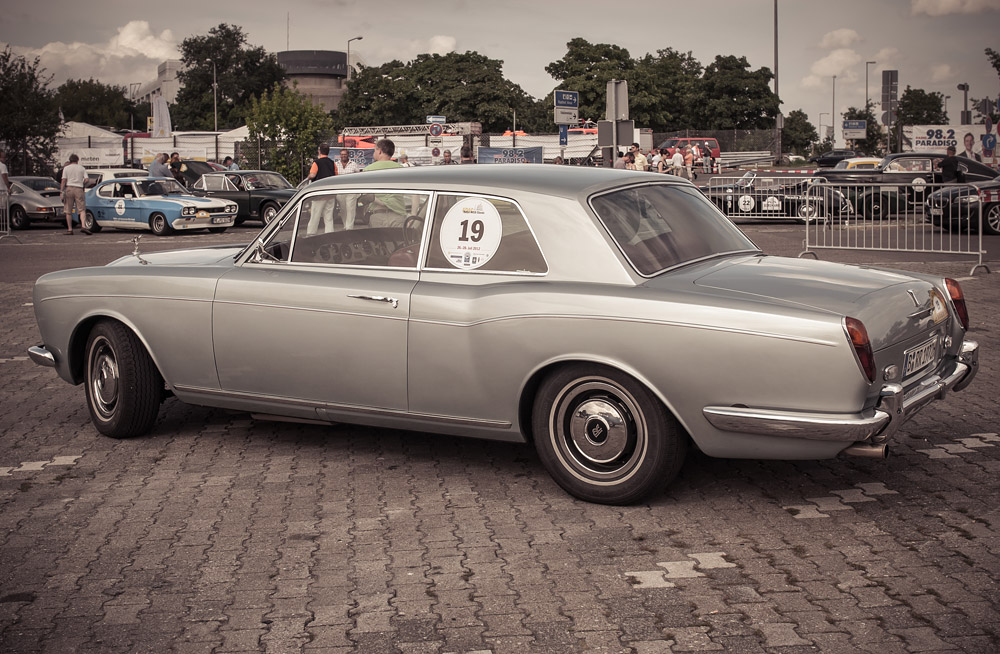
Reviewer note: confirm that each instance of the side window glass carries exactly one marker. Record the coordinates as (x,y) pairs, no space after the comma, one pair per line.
(109,191)
(488,234)
(369,229)
(279,246)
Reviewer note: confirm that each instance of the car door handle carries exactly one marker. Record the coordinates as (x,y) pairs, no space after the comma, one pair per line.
(378,298)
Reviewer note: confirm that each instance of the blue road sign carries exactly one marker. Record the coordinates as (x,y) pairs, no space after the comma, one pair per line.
(569,99)
(564,135)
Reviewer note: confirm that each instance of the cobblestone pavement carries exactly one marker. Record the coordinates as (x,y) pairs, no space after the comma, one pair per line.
(217,533)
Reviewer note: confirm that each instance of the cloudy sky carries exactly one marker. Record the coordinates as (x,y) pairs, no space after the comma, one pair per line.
(934,44)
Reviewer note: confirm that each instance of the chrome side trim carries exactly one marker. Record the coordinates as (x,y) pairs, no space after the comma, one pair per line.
(874,426)
(42,356)
(345,408)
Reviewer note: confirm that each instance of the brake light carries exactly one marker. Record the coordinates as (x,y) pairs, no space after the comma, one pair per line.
(862,346)
(958,299)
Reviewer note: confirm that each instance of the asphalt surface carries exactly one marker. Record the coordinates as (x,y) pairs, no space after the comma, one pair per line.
(218,533)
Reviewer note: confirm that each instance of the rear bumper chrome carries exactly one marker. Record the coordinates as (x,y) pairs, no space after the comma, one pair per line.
(41,356)
(876,425)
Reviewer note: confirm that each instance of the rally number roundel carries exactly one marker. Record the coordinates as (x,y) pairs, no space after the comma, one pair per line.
(746,203)
(120,207)
(470,233)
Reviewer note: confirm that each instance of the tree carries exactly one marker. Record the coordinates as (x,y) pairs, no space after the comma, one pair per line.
(242,72)
(673,78)
(798,134)
(292,124)
(90,101)
(917,107)
(380,95)
(872,143)
(30,118)
(587,68)
(732,96)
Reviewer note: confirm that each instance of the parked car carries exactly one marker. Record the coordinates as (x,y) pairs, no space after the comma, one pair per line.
(192,170)
(702,142)
(956,208)
(97,175)
(777,197)
(34,199)
(899,182)
(861,163)
(832,158)
(610,317)
(259,194)
(158,204)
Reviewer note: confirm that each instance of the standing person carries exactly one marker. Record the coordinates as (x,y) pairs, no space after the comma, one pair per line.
(654,159)
(688,162)
(619,161)
(321,209)
(73,179)
(404,161)
(641,163)
(390,208)
(348,203)
(706,154)
(630,161)
(230,164)
(3,172)
(447,159)
(970,142)
(949,166)
(177,169)
(159,168)
(677,163)
(467,155)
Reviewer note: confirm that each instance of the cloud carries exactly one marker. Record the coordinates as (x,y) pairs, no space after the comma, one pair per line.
(841,38)
(131,55)
(946,7)
(941,73)
(407,50)
(843,62)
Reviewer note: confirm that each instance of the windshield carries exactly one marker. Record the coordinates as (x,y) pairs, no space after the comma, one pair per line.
(262,181)
(40,183)
(661,226)
(160,187)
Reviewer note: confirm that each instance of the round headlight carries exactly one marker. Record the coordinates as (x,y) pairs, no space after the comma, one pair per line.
(231,208)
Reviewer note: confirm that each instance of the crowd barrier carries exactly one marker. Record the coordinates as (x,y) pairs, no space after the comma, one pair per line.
(5,214)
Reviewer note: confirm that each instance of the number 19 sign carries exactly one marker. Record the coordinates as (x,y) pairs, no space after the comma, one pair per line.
(470,233)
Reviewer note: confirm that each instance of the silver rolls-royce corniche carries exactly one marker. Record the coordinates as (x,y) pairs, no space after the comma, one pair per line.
(613,318)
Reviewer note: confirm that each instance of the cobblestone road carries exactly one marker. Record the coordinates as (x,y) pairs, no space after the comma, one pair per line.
(217,533)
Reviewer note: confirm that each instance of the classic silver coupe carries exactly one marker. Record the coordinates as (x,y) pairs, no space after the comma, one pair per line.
(612,318)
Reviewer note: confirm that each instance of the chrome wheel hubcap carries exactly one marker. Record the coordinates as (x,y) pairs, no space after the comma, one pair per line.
(104,378)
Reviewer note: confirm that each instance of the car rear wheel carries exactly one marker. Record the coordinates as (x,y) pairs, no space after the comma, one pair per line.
(158,223)
(873,207)
(19,217)
(807,211)
(603,436)
(268,212)
(991,219)
(123,386)
(90,223)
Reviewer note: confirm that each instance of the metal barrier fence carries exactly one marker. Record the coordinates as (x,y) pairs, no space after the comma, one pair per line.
(783,198)
(917,217)
(5,225)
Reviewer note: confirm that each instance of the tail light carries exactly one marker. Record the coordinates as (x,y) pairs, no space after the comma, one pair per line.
(862,346)
(958,299)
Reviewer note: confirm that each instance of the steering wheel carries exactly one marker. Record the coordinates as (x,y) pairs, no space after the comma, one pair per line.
(413,228)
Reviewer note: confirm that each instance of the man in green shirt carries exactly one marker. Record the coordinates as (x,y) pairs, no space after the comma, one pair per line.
(391,210)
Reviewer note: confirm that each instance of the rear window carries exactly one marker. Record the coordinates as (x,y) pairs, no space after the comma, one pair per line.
(660,226)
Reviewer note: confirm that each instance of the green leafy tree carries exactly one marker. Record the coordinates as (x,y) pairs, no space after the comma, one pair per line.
(673,79)
(90,101)
(872,143)
(587,68)
(30,120)
(381,95)
(243,73)
(917,107)
(732,96)
(798,134)
(292,125)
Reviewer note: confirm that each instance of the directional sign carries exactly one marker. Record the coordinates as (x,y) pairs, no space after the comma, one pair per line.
(565,116)
(567,99)
(436,119)
(564,135)
(855,129)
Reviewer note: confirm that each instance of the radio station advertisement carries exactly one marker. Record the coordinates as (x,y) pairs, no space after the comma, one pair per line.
(360,156)
(510,155)
(972,141)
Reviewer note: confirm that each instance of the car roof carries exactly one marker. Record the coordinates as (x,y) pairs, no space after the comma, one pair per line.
(498,179)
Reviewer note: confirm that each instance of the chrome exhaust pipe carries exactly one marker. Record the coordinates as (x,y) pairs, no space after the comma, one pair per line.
(879,451)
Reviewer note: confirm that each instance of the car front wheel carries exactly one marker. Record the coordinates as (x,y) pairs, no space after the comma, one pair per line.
(268,212)
(991,219)
(603,436)
(158,223)
(123,386)
(90,223)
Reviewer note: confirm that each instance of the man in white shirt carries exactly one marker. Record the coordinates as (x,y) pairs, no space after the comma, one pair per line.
(3,171)
(74,176)
(677,163)
(348,202)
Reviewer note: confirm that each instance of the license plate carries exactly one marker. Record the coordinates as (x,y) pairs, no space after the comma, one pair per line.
(919,357)
(219,219)
(936,211)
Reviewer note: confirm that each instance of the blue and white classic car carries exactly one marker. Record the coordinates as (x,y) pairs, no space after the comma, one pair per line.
(159,204)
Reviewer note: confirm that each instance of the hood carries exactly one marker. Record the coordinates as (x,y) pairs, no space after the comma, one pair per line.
(193,257)
(191,201)
(879,298)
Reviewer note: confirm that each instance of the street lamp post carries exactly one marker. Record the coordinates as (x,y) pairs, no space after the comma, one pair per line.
(966,118)
(833,112)
(215,94)
(356,38)
(821,114)
(946,98)
(867,64)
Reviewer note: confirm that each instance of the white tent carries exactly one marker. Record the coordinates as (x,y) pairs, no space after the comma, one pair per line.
(75,130)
